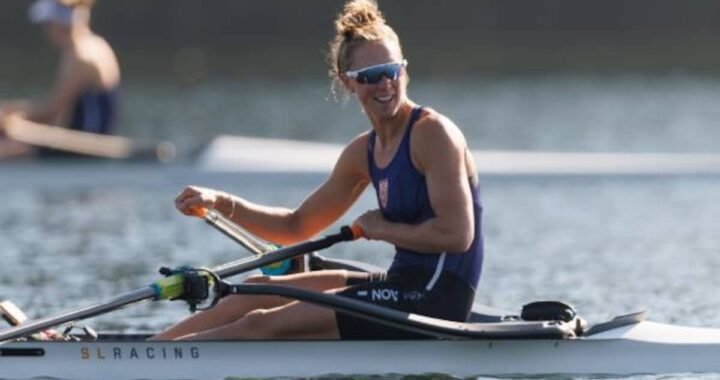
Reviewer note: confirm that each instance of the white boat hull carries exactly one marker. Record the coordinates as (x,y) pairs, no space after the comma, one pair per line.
(249,154)
(640,348)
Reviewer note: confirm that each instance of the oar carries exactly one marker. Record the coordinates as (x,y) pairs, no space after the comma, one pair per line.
(235,232)
(172,287)
(245,238)
(85,143)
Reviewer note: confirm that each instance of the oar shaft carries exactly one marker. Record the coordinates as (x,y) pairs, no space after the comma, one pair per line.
(237,233)
(87,312)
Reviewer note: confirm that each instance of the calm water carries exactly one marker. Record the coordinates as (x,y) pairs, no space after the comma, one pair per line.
(77,233)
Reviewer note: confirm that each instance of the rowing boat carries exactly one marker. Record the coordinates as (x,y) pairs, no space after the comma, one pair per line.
(243,154)
(263,155)
(643,347)
(545,338)
(622,347)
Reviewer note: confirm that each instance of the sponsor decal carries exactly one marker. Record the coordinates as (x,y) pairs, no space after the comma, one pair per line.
(383,192)
(414,295)
(391,295)
(139,353)
(384,295)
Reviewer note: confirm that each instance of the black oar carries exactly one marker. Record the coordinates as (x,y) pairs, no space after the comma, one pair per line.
(172,287)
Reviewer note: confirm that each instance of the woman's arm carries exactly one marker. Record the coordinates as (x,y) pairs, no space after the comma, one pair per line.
(438,151)
(281,225)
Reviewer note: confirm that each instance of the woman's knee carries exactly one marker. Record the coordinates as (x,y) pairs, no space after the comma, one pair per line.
(257,323)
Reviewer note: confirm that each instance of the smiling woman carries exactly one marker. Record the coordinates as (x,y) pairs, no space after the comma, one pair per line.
(429,208)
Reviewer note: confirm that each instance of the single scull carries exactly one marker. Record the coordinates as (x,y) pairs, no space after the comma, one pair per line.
(545,338)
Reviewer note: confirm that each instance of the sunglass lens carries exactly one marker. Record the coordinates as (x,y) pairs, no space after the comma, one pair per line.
(374,75)
(371,76)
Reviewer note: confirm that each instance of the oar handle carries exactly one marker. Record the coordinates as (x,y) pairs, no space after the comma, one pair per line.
(357,232)
(200,212)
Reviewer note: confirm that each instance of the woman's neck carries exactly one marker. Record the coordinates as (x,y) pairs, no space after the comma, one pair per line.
(388,129)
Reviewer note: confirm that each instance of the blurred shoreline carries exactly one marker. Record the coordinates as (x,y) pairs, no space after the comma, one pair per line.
(565,75)
(286,39)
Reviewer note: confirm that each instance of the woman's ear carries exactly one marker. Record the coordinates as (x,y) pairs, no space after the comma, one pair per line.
(347,83)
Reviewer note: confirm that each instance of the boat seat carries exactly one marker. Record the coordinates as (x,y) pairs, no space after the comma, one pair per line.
(484,314)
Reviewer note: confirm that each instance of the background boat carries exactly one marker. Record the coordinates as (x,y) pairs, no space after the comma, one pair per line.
(249,154)
(257,155)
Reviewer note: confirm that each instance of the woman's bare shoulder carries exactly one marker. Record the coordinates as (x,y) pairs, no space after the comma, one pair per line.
(359,141)
(434,127)
(354,154)
(97,61)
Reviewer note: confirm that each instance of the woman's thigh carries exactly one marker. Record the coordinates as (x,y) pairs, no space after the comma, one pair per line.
(319,280)
(294,320)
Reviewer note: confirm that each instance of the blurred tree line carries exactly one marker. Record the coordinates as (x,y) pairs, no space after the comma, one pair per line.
(288,37)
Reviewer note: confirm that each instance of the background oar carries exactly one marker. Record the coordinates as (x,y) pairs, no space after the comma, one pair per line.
(86,143)
(171,287)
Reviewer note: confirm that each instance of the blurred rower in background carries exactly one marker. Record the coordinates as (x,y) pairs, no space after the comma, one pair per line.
(85,94)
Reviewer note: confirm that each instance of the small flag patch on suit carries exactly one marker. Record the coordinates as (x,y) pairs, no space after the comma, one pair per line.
(383,186)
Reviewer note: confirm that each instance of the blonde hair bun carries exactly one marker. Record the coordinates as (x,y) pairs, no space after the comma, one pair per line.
(359,22)
(360,19)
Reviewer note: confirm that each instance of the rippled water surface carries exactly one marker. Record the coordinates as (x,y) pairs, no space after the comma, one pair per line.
(73,234)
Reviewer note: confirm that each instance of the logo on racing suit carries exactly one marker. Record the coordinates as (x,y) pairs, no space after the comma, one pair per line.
(381,294)
(383,192)
(414,295)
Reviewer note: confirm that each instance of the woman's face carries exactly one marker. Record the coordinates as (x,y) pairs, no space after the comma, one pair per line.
(384,98)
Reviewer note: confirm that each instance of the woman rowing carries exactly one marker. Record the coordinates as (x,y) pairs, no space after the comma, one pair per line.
(427,191)
(85,93)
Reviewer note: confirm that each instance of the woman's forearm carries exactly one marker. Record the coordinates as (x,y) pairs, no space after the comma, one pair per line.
(428,237)
(275,224)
